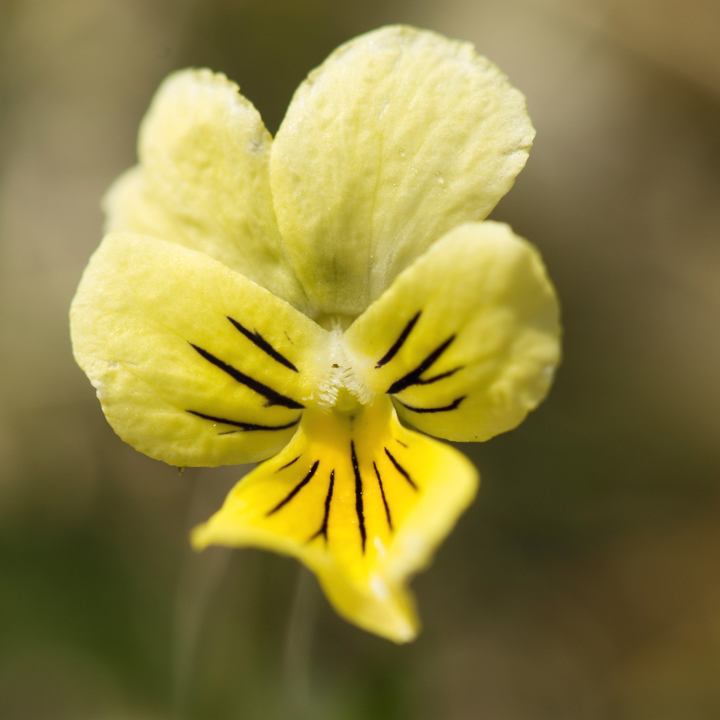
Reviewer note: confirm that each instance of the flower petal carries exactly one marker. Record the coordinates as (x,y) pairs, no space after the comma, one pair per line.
(467,338)
(193,363)
(360,500)
(203,180)
(398,137)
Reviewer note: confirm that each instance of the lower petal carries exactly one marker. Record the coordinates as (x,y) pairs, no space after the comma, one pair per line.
(361,501)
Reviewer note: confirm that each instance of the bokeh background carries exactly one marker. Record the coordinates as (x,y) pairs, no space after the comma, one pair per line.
(584,583)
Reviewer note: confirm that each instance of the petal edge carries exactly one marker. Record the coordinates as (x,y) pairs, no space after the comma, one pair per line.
(360,500)
(483,340)
(158,328)
(399,136)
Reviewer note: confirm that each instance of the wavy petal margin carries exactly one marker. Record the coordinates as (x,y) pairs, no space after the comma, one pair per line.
(361,501)
(399,136)
(467,339)
(204,180)
(193,363)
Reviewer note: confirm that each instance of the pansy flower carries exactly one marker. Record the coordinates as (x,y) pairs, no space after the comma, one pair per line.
(312,297)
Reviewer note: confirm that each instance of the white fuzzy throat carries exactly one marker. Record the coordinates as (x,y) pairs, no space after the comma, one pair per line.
(341,373)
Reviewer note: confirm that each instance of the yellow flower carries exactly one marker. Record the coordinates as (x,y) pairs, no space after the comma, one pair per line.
(292,298)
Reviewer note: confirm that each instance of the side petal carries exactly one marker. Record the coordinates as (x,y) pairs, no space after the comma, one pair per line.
(203,180)
(193,363)
(361,501)
(398,137)
(467,339)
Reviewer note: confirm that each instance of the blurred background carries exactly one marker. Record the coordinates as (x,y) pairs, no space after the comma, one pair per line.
(584,583)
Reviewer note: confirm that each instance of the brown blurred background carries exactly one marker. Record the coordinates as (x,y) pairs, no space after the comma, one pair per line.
(584,583)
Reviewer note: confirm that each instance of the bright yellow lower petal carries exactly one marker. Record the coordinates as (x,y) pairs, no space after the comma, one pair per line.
(193,363)
(204,180)
(399,136)
(467,339)
(359,499)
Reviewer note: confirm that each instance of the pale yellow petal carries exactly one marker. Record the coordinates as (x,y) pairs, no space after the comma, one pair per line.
(467,339)
(193,363)
(203,180)
(359,499)
(398,137)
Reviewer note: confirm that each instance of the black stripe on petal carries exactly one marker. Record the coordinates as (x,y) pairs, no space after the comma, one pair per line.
(413,377)
(394,349)
(247,427)
(400,469)
(272,396)
(445,408)
(328,499)
(295,490)
(358,496)
(384,499)
(257,339)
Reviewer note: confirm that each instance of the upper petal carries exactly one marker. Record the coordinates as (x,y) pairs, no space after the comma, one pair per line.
(203,180)
(467,339)
(399,136)
(193,363)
